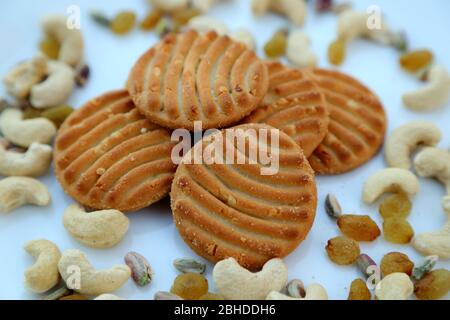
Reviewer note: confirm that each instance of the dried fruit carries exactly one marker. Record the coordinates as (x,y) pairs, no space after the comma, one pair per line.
(164,295)
(425,267)
(295,288)
(182,17)
(101,19)
(359,228)
(332,206)
(57,115)
(190,286)
(276,46)
(395,205)
(163,27)
(359,291)
(416,60)
(50,47)
(366,264)
(396,262)
(337,52)
(397,230)
(82,75)
(189,266)
(75,296)
(31,113)
(151,20)
(58,293)
(123,22)
(343,250)
(141,272)
(433,285)
(211,296)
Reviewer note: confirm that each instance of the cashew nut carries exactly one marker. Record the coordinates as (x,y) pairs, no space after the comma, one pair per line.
(56,89)
(403,140)
(71,40)
(389,180)
(294,10)
(170,5)
(203,5)
(33,163)
(43,274)
(98,229)
(434,243)
(18,191)
(313,292)
(298,50)
(395,286)
(244,36)
(434,162)
(81,276)
(24,132)
(24,76)
(434,94)
(108,296)
(237,283)
(206,23)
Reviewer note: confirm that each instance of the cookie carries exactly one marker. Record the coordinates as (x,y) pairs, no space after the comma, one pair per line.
(232,210)
(295,105)
(198,77)
(108,156)
(357,124)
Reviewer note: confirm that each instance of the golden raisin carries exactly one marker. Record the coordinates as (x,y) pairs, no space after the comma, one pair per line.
(190,286)
(151,20)
(57,115)
(31,113)
(50,47)
(433,285)
(182,17)
(337,52)
(395,205)
(416,60)
(359,228)
(397,230)
(211,296)
(342,250)
(396,262)
(276,46)
(123,22)
(359,291)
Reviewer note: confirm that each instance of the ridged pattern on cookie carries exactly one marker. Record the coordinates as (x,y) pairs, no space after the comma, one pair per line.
(107,155)
(192,77)
(231,210)
(295,105)
(357,124)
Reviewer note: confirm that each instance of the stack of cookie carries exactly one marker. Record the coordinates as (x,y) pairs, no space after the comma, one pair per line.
(115,151)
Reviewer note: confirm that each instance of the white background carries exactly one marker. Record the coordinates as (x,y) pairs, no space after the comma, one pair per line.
(151,231)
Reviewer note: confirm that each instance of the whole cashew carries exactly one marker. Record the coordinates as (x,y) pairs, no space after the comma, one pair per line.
(97,229)
(434,162)
(206,23)
(108,296)
(71,40)
(170,5)
(203,5)
(18,191)
(237,283)
(313,292)
(24,132)
(244,36)
(295,10)
(434,94)
(298,50)
(43,274)
(403,140)
(395,286)
(24,76)
(56,89)
(74,266)
(434,243)
(33,163)
(389,180)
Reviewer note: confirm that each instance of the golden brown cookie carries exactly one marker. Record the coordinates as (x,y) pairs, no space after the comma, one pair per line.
(295,105)
(108,156)
(357,124)
(198,77)
(232,210)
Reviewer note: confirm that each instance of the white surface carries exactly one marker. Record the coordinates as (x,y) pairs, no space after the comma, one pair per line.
(152,232)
